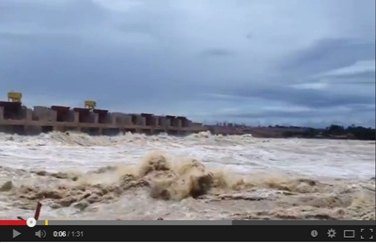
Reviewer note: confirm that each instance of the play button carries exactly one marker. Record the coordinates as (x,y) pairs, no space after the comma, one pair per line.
(15,233)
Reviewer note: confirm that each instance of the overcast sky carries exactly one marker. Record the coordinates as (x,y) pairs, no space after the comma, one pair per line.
(298,62)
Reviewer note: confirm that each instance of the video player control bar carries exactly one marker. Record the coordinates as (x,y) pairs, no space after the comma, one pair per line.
(190,232)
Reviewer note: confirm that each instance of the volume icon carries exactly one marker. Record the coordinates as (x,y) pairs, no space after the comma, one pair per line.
(40,234)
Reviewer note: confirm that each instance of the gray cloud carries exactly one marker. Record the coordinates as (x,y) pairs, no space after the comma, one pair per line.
(217,52)
(298,62)
(328,54)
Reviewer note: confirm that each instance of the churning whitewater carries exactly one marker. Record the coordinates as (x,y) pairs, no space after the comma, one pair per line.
(200,176)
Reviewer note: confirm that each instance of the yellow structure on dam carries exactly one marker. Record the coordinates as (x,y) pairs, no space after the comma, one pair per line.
(14,96)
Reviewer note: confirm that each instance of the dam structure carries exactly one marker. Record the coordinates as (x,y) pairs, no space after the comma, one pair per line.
(17,118)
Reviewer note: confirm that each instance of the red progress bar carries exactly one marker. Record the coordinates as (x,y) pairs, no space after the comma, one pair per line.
(15,222)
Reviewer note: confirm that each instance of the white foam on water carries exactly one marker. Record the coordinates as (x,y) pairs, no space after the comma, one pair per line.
(243,154)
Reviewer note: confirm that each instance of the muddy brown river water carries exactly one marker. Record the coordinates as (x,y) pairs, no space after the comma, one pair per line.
(200,176)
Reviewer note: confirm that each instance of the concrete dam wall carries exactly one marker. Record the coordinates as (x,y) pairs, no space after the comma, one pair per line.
(16,118)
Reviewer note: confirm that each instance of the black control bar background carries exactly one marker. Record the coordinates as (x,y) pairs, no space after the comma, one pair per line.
(186,233)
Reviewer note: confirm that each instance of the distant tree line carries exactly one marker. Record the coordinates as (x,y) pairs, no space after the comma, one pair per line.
(332,131)
(336,131)
(357,132)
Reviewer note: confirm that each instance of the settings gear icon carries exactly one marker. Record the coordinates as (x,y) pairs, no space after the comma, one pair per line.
(331,233)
